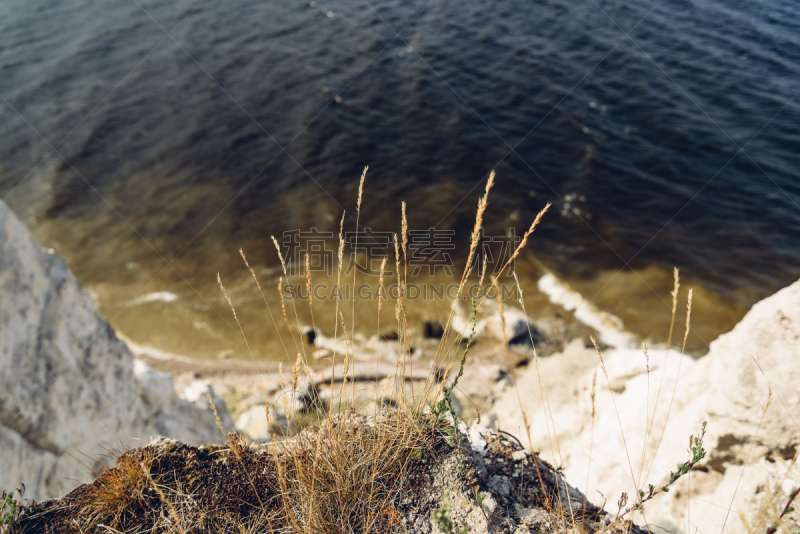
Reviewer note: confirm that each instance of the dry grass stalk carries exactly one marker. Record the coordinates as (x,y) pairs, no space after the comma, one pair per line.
(688,325)
(404,337)
(283,310)
(310,294)
(235,317)
(591,441)
(176,517)
(525,236)
(483,274)
(355,244)
(378,327)
(749,451)
(400,364)
(340,256)
(398,304)
(117,491)
(475,237)
(296,371)
(346,364)
(647,424)
(280,254)
(549,419)
(361,187)
(300,347)
(614,401)
(344,476)
(263,297)
(676,285)
(404,229)
(688,321)
(380,287)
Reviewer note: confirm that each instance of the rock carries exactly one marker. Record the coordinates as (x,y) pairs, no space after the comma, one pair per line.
(322,354)
(198,393)
(475,434)
(310,335)
(499,485)
(376,406)
(516,325)
(155,387)
(460,321)
(290,400)
(298,400)
(728,388)
(432,329)
(432,492)
(456,404)
(390,335)
(254,422)
(518,456)
(70,390)
(531,337)
(519,330)
(422,525)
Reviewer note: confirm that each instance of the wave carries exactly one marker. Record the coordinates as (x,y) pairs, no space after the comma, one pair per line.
(156,296)
(610,328)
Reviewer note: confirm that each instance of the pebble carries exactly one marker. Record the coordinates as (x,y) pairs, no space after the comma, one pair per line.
(520,455)
(322,354)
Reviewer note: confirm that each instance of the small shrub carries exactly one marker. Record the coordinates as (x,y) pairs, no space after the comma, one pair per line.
(11,510)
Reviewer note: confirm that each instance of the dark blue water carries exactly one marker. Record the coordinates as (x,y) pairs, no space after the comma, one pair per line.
(146,141)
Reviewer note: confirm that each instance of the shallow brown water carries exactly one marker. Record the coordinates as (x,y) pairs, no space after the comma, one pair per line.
(664,134)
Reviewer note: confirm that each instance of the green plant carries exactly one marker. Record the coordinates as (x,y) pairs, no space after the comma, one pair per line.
(441,409)
(11,509)
(441,516)
(444,407)
(786,510)
(698,453)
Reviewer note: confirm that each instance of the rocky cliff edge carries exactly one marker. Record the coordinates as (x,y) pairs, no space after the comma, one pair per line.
(70,390)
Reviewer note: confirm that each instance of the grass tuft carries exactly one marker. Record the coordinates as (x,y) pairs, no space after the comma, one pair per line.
(345,473)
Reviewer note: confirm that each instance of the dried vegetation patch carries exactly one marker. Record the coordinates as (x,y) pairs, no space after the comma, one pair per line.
(392,472)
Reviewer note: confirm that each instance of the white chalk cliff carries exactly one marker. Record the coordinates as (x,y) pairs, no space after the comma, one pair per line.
(745,480)
(70,389)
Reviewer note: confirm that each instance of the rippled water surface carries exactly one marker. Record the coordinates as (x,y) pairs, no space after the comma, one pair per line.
(147,141)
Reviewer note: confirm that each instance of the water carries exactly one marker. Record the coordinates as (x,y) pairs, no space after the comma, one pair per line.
(148,141)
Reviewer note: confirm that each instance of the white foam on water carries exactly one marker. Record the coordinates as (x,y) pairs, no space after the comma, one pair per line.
(157,296)
(152,352)
(610,327)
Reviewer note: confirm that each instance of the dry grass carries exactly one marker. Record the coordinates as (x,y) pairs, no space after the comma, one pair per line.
(342,475)
(120,492)
(345,476)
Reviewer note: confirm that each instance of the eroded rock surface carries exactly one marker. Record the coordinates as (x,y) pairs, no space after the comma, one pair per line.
(69,387)
(665,394)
